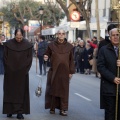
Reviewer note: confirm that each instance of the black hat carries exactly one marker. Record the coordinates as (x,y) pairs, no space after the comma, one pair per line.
(111,26)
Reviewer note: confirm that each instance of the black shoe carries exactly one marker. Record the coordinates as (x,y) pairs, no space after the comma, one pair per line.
(9,115)
(20,116)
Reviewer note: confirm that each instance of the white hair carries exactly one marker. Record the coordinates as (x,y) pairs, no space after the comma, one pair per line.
(81,41)
(60,30)
(114,29)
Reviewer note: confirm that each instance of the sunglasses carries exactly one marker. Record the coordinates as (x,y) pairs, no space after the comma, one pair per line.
(61,33)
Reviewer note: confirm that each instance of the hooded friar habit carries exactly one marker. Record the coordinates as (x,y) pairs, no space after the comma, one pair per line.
(17,63)
(62,64)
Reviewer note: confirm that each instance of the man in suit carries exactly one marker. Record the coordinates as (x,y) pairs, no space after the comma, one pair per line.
(101,44)
(107,66)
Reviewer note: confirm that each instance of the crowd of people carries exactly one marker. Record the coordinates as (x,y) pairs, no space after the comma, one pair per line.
(66,59)
(85,55)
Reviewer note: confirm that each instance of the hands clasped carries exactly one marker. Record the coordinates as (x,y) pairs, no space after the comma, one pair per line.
(118,63)
(45,57)
(117,80)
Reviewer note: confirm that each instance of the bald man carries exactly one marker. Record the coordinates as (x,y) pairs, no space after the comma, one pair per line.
(60,53)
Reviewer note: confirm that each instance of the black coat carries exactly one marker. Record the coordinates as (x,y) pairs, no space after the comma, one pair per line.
(1,59)
(1,51)
(42,46)
(86,57)
(107,66)
(104,42)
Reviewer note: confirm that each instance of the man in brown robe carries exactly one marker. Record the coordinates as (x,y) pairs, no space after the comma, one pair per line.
(17,62)
(60,53)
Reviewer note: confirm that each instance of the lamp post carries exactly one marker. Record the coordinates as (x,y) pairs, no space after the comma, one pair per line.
(76,32)
(25,28)
(41,10)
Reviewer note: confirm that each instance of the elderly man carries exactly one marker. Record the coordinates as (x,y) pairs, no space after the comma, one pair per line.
(60,53)
(107,66)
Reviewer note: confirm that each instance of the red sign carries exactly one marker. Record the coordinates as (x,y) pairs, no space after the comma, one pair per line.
(75,16)
(26,27)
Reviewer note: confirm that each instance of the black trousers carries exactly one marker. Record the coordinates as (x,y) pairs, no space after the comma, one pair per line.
(81,66)
(110,107)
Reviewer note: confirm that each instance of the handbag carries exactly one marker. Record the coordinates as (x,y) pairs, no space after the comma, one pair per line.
(38,90)
(91,62)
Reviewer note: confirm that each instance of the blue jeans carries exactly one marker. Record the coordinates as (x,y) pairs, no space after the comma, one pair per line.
(42,63)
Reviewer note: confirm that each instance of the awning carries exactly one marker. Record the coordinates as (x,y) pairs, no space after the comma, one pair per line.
(53,31)
(50,31)
(93,26)
(31,33)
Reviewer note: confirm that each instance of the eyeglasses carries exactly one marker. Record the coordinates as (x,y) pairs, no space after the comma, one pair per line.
(61,33)
(117,35)
(18,38)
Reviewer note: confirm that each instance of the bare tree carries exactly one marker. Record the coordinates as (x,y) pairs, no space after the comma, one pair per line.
(54,15)
(84,7)
(97,19)
(16,9)
(63,5)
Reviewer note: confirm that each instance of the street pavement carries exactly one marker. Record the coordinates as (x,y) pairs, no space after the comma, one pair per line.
(84,100)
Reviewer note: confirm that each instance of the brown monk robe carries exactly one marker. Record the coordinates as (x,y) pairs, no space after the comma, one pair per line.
(57,88)
(17,62)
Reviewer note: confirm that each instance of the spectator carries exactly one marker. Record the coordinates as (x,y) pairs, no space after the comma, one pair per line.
(42,46)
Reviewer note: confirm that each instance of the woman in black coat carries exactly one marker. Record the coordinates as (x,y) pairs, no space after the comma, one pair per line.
(86,56)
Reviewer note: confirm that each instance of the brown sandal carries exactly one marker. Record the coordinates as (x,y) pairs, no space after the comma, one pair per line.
(63,113)
(52,111)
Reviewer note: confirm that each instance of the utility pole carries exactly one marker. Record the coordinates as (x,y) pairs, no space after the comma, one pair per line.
(97,20)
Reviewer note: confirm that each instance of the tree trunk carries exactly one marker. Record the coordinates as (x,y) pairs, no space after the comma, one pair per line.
(98,22)
(88,28)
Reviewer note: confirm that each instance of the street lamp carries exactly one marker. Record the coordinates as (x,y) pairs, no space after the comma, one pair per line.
(41,10)
(25,27)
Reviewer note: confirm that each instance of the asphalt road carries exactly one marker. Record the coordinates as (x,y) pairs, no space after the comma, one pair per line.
(83,99)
